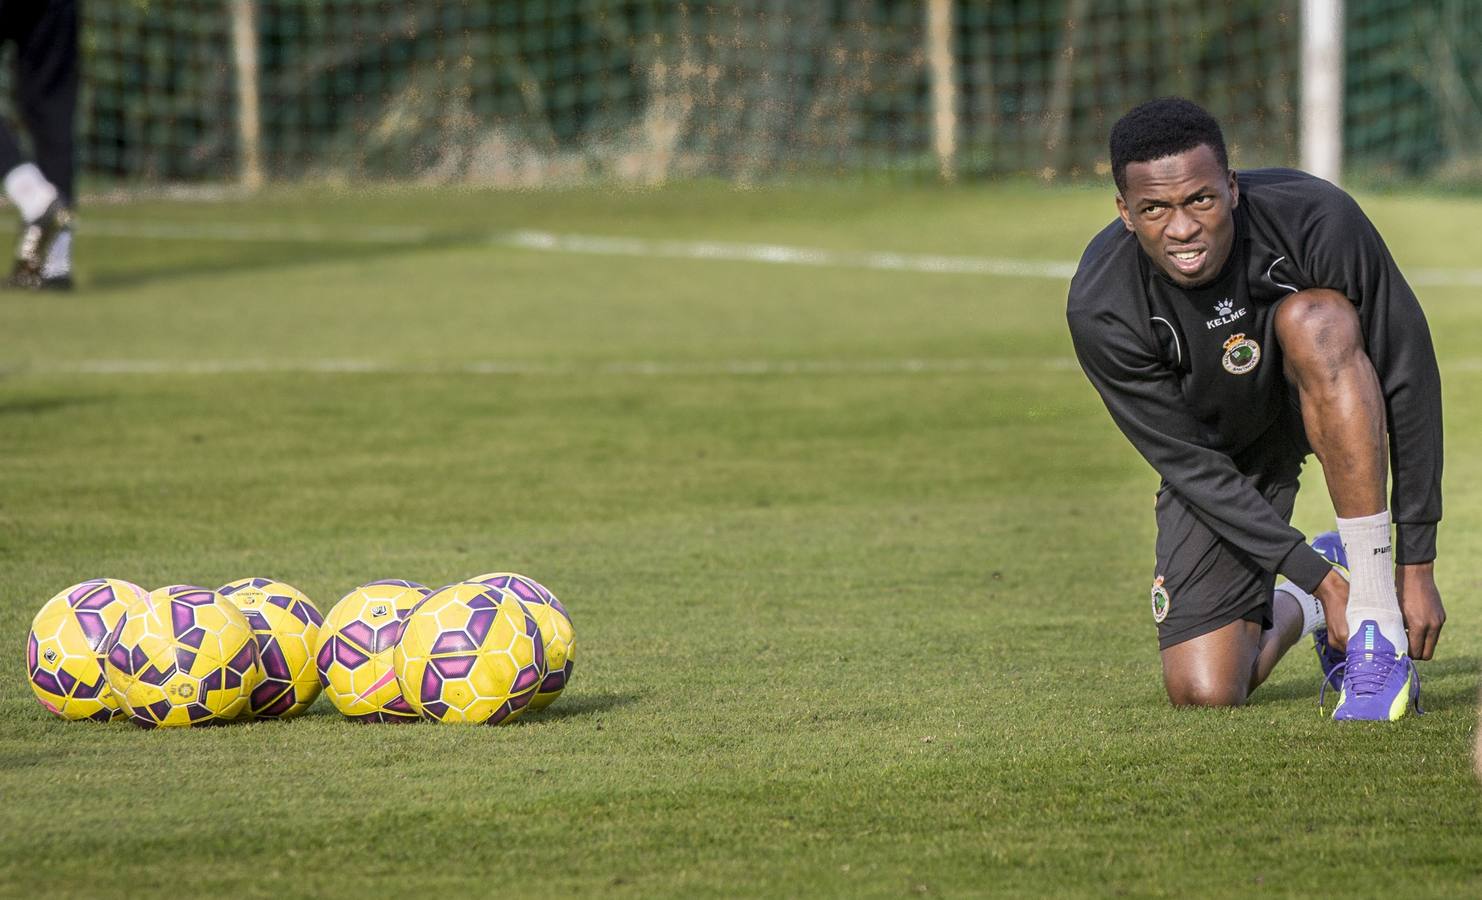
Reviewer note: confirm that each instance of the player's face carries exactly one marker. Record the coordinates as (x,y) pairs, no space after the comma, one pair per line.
(1182,209)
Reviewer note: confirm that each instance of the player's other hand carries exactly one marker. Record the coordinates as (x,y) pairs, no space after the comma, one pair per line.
(1333,595)
(1420,604)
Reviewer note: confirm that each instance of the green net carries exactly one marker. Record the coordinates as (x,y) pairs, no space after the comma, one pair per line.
(528,92)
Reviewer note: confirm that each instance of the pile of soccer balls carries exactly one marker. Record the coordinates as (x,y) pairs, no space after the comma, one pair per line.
(481,651)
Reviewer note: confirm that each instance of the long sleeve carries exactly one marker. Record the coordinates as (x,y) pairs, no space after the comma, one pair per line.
(1144,400)
(1347,254)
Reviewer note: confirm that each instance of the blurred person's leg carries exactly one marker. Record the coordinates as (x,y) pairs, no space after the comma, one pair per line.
(46,39)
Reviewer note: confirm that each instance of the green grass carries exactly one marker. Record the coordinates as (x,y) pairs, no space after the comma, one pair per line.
(841,632)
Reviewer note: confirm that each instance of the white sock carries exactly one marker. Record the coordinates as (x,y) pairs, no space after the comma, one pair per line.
(1371,573)
(59,258)
(1312,614)
(29,190)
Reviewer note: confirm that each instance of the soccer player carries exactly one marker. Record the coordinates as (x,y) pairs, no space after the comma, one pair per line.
(1234,322)
(45,36)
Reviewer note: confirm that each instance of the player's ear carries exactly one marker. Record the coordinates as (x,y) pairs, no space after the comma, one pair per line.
(1124,212)
(1234,189)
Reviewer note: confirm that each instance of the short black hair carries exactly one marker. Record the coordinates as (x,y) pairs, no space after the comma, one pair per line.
(1163,127)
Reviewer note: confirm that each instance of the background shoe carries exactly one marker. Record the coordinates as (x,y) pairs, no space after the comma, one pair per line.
(1330,546)
(35,243)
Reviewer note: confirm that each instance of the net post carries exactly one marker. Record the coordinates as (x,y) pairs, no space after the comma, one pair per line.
(940,59)
(249,112)
(1322,88)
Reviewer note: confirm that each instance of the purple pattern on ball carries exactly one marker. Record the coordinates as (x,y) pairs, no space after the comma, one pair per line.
(435,709)
(360,633)
(553,682)
(93,628)
(321,662)
(245,657)
(479,624)
(401,705)
(273,663)
(98,599)
(454,666)
(197,712)
(138,660)
(184,659)
(159,709)
(256,620)
(307,613)
(526,679)
(194,596)
(280,601)
(85,691)
(65,679)
(523,591)
(348,656)
(119,657)
(521,701)
(452,642)
(47,682)
(213,681)
(483,600)
(556,605)
(500,715)
(103,715)
(182,617)
(387,636)
(32,651)
(432,686)
(266,692)
(539,652)
(193,637)
(83,590)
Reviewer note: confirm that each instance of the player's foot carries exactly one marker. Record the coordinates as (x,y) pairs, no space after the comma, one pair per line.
(1330,546)
(35,243)
(1380,684)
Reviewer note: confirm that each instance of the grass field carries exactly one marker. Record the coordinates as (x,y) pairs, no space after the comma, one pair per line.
(858,564)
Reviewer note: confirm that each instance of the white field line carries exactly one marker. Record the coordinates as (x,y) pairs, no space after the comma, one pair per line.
(647,368)
(298,232)
(641,368)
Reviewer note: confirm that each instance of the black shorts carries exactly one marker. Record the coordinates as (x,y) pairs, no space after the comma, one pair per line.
(1202,583)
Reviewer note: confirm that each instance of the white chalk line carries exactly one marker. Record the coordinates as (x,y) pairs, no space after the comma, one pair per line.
(598,245)
(642,368)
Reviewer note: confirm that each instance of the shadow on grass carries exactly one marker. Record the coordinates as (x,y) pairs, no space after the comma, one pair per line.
(1453,692)
(259,257)
(580,705)
(33,406)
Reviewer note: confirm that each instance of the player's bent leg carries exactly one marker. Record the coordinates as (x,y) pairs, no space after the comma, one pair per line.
(1323,353)
(1215,668)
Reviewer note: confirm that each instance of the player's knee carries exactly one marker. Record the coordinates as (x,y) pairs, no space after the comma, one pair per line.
(1318,328)
(1204,693)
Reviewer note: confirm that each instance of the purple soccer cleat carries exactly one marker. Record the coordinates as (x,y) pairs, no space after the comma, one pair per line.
(1379,683)
(1330,546)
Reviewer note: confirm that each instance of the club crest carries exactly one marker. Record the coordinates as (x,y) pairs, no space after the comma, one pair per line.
(1241,354)
(1161,600)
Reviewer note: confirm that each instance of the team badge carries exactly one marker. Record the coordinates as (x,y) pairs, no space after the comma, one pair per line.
(1241,354)
(1161,600)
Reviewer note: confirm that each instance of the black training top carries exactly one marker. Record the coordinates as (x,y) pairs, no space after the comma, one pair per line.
(1193,376)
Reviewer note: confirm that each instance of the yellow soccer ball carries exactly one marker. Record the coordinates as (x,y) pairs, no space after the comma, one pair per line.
(470,653)
(555,630)
(356,643)
(182,656)
(64,661)
(286,626)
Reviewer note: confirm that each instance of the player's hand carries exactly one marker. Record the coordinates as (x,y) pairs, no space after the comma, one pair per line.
(1420,604)
(1333,595)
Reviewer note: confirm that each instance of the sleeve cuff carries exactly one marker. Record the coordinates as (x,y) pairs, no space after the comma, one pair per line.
(1414,543)
(1305,567)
